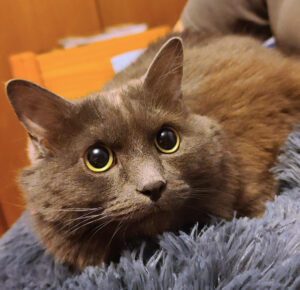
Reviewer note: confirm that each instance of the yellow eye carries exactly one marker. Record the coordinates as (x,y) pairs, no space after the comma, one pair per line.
(167,140)
(99,158)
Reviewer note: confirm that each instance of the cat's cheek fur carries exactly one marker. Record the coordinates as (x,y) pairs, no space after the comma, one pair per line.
(206,165)
(203,142)
(52,200)
(195,173)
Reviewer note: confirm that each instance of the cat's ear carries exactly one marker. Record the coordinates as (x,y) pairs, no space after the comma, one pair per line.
(164,75)
(41,112)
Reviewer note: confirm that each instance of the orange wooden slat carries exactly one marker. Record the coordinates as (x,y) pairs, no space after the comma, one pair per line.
(25,66)
(3,226)
(75,72)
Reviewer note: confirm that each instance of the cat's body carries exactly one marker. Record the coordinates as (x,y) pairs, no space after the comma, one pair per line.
(233,111)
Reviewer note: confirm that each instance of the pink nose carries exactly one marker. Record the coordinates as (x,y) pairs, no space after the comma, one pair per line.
(153,189)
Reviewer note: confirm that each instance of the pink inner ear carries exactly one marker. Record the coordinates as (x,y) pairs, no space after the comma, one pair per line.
(38,109)
(33,127)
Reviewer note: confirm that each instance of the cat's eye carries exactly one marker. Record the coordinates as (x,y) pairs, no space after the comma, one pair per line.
(167,140)
(99,158)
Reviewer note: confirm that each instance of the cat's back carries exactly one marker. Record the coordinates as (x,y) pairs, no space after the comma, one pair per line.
(236,74)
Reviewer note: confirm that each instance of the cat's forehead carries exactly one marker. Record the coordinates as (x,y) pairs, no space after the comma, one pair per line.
(115,116)
(116,95)
(126,113)
(116,105)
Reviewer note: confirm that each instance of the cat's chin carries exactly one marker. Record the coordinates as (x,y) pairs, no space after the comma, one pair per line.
(152,223)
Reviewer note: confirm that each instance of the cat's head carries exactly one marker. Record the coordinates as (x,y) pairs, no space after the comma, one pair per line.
(117,165)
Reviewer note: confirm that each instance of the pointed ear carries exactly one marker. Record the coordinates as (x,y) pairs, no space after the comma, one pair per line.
(164,75)
(41,112)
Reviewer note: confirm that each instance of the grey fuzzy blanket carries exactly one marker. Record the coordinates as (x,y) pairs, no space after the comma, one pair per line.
(241,254)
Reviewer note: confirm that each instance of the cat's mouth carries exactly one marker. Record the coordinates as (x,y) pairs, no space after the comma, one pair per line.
(143,213)
(152,209)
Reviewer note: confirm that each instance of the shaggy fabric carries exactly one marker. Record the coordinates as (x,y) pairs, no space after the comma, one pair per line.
(241,254)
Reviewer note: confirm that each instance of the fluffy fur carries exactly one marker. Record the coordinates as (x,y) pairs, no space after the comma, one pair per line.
(233,104)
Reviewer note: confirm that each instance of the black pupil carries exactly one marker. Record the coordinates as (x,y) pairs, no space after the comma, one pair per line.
(98,157)
(166,139)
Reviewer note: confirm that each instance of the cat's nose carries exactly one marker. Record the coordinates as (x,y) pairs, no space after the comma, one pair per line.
(153,189)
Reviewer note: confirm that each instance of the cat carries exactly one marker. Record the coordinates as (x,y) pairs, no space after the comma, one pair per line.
(188,131)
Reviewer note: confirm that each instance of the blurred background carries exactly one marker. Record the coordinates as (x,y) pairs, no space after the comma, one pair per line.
(30,31)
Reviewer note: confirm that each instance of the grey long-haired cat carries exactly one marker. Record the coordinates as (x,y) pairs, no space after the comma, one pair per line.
(187,131)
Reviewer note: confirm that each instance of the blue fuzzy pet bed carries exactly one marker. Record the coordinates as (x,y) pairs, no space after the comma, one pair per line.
(243,253)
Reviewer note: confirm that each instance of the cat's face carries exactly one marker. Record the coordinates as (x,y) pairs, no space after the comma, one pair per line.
(121,164)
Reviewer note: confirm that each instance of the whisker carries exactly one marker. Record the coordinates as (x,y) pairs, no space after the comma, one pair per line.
(64,210)
(81,221)
(100,227)
(115,232)
(85,216)
(128,224)
(84,223)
